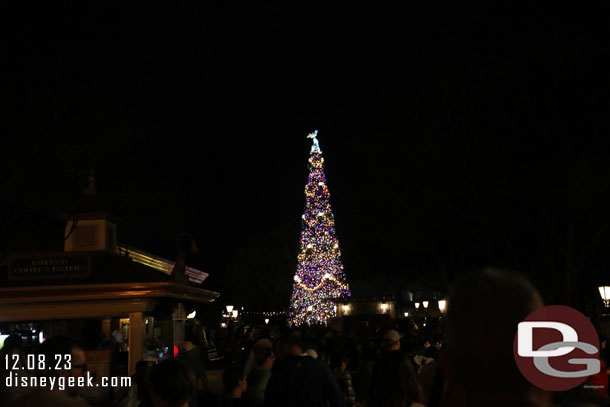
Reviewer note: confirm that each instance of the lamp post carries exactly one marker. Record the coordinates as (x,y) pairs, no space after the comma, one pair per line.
(425,305)
(230,315)
(604,292)
(442,307)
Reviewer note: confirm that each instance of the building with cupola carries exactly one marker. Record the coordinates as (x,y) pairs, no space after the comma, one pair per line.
(122,303)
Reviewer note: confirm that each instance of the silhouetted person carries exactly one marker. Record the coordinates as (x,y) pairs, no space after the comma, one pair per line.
(13,344)
(395,382)
(368,357)
(138,392)
(390,341)
(484,309)
(171,383)
(338,364)
(300,381)
(234,387)
(192,356)
(260,362)
(13,349)
(57,397)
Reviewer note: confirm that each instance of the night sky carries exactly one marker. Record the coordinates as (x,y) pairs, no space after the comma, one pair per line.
(454,138)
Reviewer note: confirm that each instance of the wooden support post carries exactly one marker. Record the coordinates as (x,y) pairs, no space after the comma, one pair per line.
(136,340)
(107,327)
(179,318)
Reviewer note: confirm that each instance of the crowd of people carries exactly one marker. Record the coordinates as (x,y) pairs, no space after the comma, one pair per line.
(472,364)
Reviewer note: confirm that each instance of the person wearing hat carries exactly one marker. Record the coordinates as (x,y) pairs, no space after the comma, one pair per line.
(391,341)
(394,379)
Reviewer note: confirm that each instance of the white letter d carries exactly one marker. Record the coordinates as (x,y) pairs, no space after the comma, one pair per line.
(525,338)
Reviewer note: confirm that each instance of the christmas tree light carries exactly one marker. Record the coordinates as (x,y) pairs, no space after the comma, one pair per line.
(319,278)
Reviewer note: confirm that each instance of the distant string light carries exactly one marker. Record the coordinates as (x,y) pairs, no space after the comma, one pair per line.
(321,284)
(265,313)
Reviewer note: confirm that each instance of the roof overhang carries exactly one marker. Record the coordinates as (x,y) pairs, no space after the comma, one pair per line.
(92,300)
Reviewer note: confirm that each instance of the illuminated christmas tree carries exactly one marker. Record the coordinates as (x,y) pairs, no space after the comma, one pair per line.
(319,278)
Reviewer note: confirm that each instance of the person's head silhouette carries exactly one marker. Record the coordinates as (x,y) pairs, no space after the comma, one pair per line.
(484,310)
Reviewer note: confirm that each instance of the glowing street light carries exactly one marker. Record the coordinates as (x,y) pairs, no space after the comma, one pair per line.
(345,308)
(235,313)
(406,314)
(384,307)
(604,292)
(425,304)
(442,305)
(266,321)
(417,305)
(229,308)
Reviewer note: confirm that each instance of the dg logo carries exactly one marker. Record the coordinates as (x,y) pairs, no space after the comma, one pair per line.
(556,348)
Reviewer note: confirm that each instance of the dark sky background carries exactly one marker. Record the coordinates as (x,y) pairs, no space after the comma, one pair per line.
(454,137)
